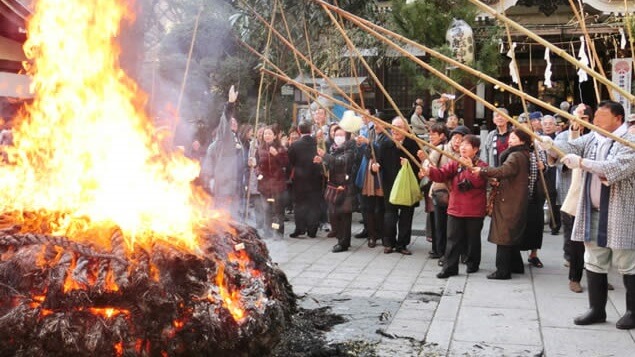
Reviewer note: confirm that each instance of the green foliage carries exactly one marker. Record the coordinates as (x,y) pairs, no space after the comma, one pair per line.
(423,22)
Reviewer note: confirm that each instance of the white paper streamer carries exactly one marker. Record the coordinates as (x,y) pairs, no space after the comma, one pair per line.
(547,69)
(513,69)
(501,47)
(583,76)
(623,40)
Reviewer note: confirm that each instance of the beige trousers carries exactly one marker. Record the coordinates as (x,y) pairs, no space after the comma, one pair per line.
(599,259)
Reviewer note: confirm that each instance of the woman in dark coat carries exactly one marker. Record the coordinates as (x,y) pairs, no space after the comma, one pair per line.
(340,161)
(272,165)
(509,216)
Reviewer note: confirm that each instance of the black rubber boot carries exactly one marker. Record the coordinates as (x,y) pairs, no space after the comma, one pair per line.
(627,321)
(597,299)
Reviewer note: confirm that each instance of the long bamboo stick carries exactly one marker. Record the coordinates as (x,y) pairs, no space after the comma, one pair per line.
(541,174)
(560,52)
(252,145)
(371,27)
(590,47)
(370,71)
(359,111)
(627,18)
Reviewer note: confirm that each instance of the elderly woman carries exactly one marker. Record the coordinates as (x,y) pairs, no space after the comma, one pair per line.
(466,208)
(509,215)
(339,192)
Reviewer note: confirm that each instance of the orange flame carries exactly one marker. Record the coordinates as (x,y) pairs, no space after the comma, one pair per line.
(231,298)
(108,312)
(118,348)
(85,147)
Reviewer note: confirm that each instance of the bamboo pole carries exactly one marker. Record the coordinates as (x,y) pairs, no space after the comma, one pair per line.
(560,52)
(456,85)
(354,105)
(359,111)
(187,69)
(370,71)
(541,174)
(371,27)
(258,102)
(340,21)
(590,47)
(631,41)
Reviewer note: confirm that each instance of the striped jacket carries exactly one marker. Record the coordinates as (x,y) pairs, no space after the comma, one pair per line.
(619,169)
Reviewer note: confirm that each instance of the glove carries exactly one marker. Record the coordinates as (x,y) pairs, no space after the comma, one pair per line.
(572,161)
(545,143)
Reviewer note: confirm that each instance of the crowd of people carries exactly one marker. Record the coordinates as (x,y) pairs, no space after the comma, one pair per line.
(323,173)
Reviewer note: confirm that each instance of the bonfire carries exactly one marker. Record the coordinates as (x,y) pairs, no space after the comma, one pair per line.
(106,246)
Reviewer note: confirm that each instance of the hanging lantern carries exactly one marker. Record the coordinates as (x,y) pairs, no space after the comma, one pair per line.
(461,40)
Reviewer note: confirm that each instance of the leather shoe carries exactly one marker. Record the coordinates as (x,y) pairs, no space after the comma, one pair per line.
(575,286)
(372,243)
(446,274)
(434,255)
(312,234)
(296,234)
(338,248)
(471,269)
(361,235)
(388,250)
(499,276)
(404,251)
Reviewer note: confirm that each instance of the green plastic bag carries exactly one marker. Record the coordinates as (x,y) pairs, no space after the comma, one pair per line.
(405,191)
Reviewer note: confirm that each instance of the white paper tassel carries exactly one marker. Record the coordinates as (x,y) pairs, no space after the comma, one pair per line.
(513,69)
(623,40)
(547,69)
(501,47)
(582,75)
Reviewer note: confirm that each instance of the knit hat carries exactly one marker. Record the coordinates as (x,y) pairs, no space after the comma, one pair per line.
(535,115)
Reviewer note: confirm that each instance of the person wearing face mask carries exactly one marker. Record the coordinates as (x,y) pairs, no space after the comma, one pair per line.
(272,181)
(466,208)
(340,161)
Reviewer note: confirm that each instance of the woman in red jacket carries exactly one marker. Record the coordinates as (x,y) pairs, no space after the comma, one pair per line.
(272,181)
(466,207)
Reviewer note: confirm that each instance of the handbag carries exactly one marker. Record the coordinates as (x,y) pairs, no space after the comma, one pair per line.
(491,198)
(405,190)
(441,197)
(334,196)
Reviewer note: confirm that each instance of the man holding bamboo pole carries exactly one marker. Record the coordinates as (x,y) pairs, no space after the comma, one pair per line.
(604,216)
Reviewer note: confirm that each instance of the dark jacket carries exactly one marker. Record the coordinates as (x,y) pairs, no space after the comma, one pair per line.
(273,170)
(509,216)
(341,165)
(389,158)
(470,203)
(306,175)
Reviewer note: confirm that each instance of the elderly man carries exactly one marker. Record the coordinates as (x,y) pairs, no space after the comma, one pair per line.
(397,219)
(549,127)
(604,217)
(496,141)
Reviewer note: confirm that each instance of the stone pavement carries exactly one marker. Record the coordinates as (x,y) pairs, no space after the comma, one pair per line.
(396,303)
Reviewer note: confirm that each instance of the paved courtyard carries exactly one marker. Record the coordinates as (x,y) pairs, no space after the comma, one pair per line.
(396,303)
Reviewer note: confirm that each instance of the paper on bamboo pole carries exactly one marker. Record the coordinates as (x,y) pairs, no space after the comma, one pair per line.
(584,59)
(548,68)
(513,68)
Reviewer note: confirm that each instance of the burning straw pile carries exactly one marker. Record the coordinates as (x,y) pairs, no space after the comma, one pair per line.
(58,296)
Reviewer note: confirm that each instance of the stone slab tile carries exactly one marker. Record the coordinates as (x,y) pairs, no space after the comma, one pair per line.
(559,311)
(487,349)
(440,334)
(563,342)
(498,326)
(484,293)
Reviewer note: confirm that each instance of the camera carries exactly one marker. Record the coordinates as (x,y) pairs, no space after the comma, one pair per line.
(465,185)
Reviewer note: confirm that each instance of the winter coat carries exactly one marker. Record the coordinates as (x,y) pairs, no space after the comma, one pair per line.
(273,170)
(307,176)
(340,163)
(467,204)
(509,216)
(389,159)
